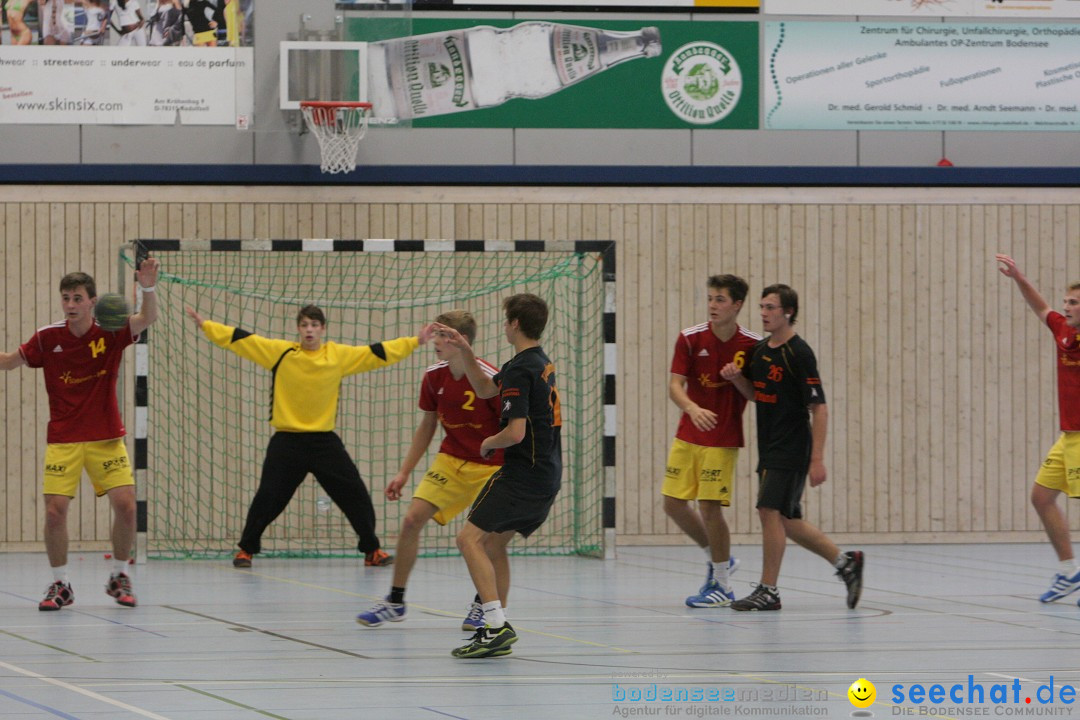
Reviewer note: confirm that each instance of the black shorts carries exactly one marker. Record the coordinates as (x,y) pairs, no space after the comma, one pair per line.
(512,502)
(782,490)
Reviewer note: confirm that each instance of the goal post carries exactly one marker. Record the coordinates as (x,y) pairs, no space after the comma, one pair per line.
(203,411)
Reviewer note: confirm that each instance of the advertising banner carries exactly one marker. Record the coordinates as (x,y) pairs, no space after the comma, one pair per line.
(904,76)
(51,84)
(1029,9)
(539,74)
(586,6)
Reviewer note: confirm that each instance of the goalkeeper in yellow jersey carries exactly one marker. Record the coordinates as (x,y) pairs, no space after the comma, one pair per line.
(307,378)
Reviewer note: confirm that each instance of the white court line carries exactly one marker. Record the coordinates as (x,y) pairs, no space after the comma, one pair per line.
(87,693)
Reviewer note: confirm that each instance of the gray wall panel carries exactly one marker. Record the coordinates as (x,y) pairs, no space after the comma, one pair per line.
(899,149)
(39,144)
(602,147)
(178,145)
(777,147)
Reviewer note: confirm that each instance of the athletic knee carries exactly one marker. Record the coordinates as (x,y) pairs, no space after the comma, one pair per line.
(1043,498)
(412,524)
(674,507)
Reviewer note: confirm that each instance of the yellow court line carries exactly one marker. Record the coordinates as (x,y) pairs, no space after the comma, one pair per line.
(434,611)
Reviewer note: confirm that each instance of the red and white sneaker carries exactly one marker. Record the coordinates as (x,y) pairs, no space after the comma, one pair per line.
(57,596)
(120,588)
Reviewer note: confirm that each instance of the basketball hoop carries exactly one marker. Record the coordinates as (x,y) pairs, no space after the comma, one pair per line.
(339,127)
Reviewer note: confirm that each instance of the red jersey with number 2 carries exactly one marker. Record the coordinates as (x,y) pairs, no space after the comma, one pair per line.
(1068,370)
(466,418)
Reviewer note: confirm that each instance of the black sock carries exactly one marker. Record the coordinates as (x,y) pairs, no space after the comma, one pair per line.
(397,595)
(477,599)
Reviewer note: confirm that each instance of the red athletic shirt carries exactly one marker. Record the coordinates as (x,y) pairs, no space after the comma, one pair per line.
(466,418)
(699,356)
(1068,370)
(80,377)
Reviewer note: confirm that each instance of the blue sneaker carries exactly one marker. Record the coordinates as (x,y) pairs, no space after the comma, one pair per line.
(1063,585)
(711,595)
(475,619)
(380,612)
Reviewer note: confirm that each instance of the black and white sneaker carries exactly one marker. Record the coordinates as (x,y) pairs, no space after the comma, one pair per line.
(488,642)
(851,573)
(761,598)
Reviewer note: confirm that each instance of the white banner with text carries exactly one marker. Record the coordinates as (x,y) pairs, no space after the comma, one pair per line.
(126,85)
(1030,9)
(902,76)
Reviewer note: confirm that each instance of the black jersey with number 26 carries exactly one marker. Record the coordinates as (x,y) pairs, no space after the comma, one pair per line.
(786,383)
(527,390)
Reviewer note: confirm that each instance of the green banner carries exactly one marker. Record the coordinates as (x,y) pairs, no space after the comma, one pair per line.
(456,73)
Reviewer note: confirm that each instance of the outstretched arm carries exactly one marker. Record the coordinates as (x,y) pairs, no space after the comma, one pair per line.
(1035,301)
(484,386)
(11,360)
(195,316)
(147,276)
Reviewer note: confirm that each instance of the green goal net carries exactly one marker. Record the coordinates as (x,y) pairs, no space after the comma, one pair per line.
(207,409)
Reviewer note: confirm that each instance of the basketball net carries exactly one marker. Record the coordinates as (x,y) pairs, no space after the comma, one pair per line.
(339,127)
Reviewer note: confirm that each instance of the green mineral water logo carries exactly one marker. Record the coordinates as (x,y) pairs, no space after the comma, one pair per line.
(580,52)
(438,74)
(701,83)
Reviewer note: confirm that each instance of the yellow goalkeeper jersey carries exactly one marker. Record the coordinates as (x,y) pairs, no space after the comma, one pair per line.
(306,384)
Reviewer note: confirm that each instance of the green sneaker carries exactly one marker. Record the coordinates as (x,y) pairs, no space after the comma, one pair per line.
(487,642)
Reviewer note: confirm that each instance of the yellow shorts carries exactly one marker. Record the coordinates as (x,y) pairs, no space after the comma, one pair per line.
(204,38)
(696,472)
(451,484)
(106,462)
(1061,468)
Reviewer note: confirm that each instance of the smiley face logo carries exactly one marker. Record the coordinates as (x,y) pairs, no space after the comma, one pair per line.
(862,693)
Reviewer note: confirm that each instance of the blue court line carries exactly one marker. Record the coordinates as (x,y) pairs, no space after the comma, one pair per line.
(31,703)
(440,712)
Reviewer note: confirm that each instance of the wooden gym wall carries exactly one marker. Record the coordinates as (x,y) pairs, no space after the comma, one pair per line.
(940,381)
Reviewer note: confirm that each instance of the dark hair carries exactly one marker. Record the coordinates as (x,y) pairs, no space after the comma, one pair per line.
(789,299)
(530,311)
(1074,286)
(735,286)
(75,280)
(460,320)
(311,312)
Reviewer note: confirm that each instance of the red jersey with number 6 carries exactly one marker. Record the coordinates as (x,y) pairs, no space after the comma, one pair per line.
(699,356)
(1068,370)
(466,418)
(80,377)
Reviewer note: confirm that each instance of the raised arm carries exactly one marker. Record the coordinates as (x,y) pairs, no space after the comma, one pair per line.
(147,276)
(1035,301)
(484,386)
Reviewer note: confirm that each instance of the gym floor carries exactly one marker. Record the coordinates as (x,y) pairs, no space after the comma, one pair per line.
(598,639)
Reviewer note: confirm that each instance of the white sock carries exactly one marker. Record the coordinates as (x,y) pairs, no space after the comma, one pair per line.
(1069,567)
(119,566)
(60,574)
(840,561)
(493,614)
(720,574)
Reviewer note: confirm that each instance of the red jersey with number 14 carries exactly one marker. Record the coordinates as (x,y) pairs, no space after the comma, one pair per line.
(80,377)
(466,418)
(1068,370)
(699,356)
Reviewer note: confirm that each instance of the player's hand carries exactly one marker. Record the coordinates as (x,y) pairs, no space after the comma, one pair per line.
(426,333)
(1008,266)
(147,273)
(486,451)
(817,473)
(730,371)
(199,319)
(453,337)
(703,419)
(393,490)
